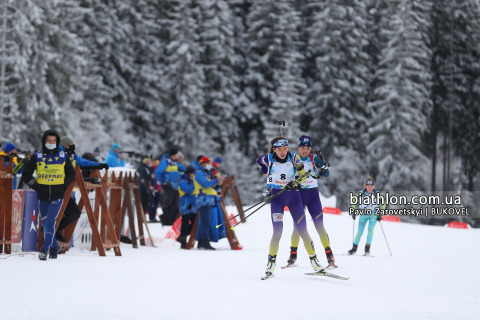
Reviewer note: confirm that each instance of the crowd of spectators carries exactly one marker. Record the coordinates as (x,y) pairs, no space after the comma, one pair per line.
(167,181)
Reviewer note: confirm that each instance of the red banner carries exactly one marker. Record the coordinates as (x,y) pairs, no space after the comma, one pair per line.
(458,225)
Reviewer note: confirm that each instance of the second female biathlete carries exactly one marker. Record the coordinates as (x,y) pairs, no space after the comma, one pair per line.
(311,200)
(281,168)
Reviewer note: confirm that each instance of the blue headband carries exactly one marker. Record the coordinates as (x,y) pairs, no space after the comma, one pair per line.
(370,183)
(280,143)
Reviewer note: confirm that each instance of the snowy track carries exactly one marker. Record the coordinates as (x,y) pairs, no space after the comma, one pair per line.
(433,274)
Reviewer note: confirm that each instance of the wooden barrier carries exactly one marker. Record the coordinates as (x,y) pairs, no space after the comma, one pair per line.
(232,238)
(6,186)
(229,184)
(130,183)
(101,239)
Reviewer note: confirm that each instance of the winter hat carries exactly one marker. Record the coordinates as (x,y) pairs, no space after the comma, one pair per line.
(147,159)
(190,169)
(96,150)
(305,141)
(65,141)
(218,159)
(9,147)
(204,160)
(172,152)
(369,182)
(116,146)
(199,157)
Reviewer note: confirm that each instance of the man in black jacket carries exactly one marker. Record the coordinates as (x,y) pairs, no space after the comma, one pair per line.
(147,191)
(55,173)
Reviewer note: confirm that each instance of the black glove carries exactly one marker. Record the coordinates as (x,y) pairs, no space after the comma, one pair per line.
(379,217)
(104,166)
(290,185)
(321,173)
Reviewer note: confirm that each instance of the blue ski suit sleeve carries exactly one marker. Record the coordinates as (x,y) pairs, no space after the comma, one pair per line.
(160,169)
(201,178)
(186,187)
(85,163)
(181,167)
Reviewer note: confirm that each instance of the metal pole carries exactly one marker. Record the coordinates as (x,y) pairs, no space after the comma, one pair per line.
(385,238)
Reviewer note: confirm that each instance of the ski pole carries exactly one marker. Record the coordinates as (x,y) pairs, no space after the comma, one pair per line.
(353,231)
(268,200)
(264,200)
(233,227)
(385,238)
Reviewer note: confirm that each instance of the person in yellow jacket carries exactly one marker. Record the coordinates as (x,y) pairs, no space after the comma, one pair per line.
(55,173)
(205,200)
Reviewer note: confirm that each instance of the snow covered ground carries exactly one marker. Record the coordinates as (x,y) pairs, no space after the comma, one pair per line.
(433,274)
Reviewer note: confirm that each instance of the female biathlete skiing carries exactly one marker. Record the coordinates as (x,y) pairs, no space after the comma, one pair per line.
(368,191)
(281,168)
(311,200)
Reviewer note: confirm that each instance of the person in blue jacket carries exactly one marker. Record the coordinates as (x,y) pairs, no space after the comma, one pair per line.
(10,152)
(72,212)
(188,207)
(167,174)
(195,163)
(205,200)
(114,155)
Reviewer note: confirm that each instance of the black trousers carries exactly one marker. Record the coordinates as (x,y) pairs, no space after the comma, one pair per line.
(187,224)
(145,199)
(170,204)
(72,213)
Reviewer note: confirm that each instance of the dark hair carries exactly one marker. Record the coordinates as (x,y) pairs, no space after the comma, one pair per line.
(190,169)
(173,151)
(199,157)
(273,141)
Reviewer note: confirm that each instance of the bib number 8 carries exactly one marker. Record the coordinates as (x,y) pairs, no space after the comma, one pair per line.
(283,176)
(270,179)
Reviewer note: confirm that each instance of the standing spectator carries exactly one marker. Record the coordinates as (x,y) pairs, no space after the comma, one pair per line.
(188,208)
(146,188)
(10,153)
(167,174)
(113,155)
(195,162)
(157,191)
(90,156)
(181,157)
(205,201)
(55,173)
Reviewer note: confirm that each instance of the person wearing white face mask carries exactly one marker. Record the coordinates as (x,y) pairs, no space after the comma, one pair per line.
(205,200)
(55,173)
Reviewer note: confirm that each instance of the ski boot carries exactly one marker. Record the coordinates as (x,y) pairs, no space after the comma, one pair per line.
(270,267)
(54,252)
(204,245)
(42,255)
(293,258)
(315,264)
(183,242)
(353,250)
(367,249)
(330,258)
